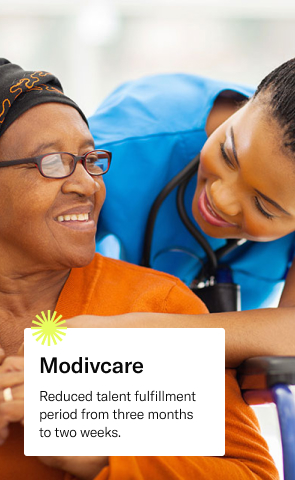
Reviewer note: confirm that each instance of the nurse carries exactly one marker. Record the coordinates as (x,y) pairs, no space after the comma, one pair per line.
(245,190)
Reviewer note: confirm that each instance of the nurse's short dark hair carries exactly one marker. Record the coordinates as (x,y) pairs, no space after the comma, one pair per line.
(279,89)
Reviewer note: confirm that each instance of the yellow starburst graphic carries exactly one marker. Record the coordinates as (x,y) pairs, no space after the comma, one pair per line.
(49,328)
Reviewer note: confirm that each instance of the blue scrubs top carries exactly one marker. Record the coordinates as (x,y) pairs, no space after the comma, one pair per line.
(154,126)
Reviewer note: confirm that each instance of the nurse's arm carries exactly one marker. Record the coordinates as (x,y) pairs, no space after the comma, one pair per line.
(251,333)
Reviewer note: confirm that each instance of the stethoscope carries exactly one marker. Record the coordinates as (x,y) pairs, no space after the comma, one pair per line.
(212,271)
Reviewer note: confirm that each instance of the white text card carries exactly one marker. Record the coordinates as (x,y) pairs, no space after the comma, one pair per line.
(157,392)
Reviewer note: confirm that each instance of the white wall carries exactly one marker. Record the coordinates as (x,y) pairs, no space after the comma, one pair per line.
(92,46)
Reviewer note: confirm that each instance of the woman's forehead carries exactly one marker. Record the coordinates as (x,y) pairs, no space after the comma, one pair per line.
(46,125)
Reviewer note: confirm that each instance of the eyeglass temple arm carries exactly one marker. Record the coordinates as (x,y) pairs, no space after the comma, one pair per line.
(19,162)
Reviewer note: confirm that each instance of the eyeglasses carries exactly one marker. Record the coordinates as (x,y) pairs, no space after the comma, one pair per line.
(63,164)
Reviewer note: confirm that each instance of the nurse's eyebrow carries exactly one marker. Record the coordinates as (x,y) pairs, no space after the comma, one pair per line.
(275,204)
(234,146)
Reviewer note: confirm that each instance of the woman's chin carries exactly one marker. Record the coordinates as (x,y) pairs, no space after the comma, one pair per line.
(78,259)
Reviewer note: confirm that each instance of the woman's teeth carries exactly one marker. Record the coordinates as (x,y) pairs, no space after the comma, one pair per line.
(81,217)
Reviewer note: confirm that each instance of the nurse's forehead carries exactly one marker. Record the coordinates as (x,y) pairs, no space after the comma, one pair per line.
(260,145)
(256,142)
(254,129)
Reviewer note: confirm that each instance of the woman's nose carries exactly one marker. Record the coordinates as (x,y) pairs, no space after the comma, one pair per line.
(225,198)
(81,182)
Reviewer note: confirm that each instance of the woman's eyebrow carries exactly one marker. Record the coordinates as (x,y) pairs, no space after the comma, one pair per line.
(234,146)
(41,146)
(275,204)
(48,145)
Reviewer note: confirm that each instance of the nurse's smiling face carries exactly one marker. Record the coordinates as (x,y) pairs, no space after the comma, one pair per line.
(246,181)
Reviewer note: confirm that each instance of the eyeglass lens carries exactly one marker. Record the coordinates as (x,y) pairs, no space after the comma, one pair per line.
(58,165)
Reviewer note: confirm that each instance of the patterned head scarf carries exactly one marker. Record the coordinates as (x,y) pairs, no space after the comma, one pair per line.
(21,90)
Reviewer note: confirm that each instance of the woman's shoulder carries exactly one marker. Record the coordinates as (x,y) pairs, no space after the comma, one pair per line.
(122,270)
(120,287)
(104,270)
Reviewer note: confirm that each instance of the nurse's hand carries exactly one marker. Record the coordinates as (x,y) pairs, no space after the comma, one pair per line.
(11,394)
(83,468)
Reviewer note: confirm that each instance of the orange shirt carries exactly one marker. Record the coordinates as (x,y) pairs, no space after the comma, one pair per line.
(111,287)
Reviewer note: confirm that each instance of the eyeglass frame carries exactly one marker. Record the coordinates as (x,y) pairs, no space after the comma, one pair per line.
(38,160)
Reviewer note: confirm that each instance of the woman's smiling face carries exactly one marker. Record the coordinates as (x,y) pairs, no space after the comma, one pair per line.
(246,182)
(32,234)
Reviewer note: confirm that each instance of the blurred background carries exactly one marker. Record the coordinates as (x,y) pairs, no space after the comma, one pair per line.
(94,45)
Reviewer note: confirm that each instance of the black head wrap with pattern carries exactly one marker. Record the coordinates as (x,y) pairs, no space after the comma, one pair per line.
(21,90)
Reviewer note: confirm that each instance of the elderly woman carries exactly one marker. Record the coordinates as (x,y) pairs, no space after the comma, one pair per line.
(51,195)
